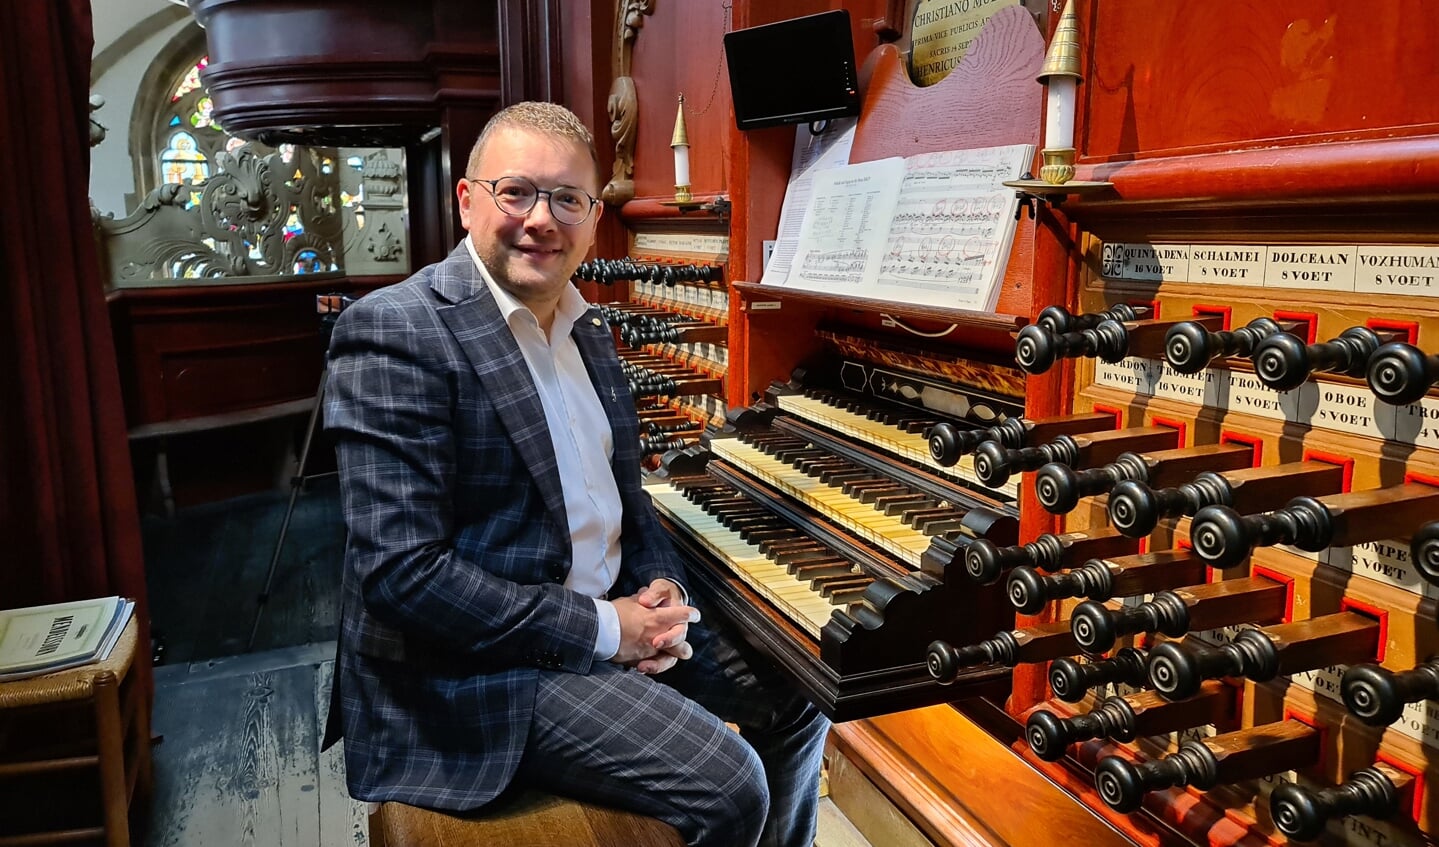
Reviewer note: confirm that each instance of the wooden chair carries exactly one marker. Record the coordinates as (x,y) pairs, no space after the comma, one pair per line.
(64,730)
(531,819)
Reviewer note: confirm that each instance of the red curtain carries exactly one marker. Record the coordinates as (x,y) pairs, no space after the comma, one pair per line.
(67,501)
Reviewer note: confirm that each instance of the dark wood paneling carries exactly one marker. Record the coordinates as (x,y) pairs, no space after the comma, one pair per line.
(206,350)
(356,72)
(1174,78)
(681,50)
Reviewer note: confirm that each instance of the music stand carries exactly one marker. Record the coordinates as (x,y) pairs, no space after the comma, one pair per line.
(328,307)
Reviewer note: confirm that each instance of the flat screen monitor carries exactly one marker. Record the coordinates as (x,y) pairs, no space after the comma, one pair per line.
(791,72)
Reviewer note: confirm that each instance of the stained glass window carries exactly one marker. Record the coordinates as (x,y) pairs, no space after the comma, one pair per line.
(308,261)
(312,208)
(181,162)
(191,80)
(293,227)
(204,114)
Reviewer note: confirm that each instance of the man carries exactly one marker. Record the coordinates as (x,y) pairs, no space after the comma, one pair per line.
(513,613)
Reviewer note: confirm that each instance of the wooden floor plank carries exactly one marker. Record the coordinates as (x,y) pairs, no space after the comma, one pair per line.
(239,764)
(343,822)
(206,567)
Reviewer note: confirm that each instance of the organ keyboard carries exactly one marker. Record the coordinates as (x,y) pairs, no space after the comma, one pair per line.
(897,508)
(848,621)
(898,433)
(819,519)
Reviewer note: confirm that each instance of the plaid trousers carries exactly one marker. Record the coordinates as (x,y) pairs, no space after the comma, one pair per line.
(659,745)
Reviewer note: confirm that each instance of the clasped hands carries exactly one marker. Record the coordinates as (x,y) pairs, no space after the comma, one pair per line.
(654,626)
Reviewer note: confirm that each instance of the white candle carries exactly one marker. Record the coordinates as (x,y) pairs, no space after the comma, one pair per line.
(682,164)
(1059,112)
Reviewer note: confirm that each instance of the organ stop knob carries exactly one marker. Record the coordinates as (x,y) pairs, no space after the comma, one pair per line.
(1301,813)
(1245,754)
(1400,373)
(1283,361)
(1377,695)
(1189,347)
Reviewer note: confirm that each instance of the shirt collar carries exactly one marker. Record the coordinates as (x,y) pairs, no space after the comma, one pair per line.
(570,308)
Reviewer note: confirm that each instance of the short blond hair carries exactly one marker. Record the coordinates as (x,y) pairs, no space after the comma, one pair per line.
(539,117)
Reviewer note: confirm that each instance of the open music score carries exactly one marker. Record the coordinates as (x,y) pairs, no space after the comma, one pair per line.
(812,154)
(932,229)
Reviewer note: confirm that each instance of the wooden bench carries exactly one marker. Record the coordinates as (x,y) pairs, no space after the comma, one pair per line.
(531,819)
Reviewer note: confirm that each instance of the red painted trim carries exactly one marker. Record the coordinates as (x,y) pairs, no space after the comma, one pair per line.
(1419,780)
(1410,329)
(1345,462)
(1118,413)
(1153,307)
(1423,479)
(1288,581)
(1314,724)
(1253,442)
(1238,688)
(1183,427)
(1310,319)
(1347,604)
(1203,310)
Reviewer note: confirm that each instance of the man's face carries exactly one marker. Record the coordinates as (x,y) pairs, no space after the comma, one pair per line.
(531,257)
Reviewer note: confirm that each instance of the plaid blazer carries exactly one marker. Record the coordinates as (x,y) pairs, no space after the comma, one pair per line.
(458,542)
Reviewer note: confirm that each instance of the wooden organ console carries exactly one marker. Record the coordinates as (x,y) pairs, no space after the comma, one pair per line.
(1150,554)
(670,320)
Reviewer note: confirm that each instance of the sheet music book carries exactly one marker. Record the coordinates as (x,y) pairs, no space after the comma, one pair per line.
(43,639)
(933,229)
(812,154)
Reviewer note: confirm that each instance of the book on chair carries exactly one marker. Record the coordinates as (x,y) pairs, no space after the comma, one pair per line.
(38,640)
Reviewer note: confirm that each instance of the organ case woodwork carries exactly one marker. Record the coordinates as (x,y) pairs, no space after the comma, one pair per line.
(1285,132)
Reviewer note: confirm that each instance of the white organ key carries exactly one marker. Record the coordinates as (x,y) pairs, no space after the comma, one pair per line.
(911,445)
(895,536)
(796,599)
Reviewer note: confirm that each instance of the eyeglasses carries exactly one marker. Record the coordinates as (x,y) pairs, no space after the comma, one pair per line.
(517,196)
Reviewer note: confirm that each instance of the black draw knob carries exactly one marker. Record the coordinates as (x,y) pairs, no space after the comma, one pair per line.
(984,562)
(992,463)
(1029,592)
(1424,552)
(1035,349)
(1178,669)
(1135,509)
(1283,361)
(1055,319)
(1048,735)
(944,444)
(943,661)
(1189,347)
(1400,373)
(1222,537)
(1300,813)
(1058,319)
(1122,785)
(1070,679)
(1377,696)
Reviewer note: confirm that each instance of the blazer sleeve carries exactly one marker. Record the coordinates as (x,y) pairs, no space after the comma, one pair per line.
(390,401)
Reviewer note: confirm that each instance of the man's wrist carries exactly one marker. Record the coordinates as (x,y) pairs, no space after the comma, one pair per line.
(607,636)
(684,595)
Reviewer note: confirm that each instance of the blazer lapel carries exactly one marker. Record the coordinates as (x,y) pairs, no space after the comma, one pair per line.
(495,357)
(597,348)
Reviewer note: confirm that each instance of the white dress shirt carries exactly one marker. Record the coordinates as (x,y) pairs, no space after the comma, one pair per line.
(583,445)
